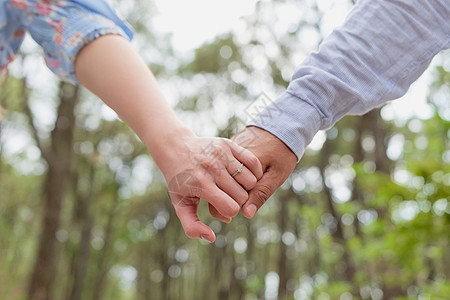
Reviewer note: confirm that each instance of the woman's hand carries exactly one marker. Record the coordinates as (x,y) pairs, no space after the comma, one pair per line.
(193,167)
(202,168)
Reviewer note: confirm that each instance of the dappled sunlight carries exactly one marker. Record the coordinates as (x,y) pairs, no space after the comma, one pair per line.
(364,215)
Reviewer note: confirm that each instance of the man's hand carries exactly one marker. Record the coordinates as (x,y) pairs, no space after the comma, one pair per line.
(278,162)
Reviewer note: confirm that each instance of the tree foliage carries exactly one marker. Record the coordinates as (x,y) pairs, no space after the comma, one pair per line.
(365,215)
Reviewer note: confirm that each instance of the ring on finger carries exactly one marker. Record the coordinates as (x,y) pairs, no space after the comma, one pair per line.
(239,170)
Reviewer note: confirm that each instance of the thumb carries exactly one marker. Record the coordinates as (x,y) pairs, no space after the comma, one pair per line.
(192,226)
(264,188)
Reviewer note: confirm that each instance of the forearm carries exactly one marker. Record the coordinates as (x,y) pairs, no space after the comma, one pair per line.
(374,57)
(194,167)
(123,81)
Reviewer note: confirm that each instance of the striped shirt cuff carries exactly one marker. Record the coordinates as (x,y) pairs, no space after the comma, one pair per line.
(291,119)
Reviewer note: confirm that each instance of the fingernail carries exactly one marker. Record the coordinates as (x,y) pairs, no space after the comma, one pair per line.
(251,210)
(206,238)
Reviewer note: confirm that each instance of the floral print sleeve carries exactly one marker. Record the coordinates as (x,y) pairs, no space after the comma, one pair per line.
(62,28)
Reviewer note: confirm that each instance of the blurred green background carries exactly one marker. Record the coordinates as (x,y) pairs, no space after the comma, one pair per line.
(85,214)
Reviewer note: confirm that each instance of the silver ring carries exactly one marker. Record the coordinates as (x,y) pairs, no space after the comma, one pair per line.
(239,170)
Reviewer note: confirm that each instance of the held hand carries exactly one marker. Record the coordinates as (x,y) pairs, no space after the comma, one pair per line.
(193,167)
(202,168)
(277,160)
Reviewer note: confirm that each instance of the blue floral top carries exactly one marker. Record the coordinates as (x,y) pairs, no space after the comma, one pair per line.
(103,8)
(98,6)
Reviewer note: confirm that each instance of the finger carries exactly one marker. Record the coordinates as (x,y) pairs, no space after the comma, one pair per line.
(231,187)
(192,226)
(264,188)
(245,177)
(224,204)
(213,211)
(248,158)
(186,186)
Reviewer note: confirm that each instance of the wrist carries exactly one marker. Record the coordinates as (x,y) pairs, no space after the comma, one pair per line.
(170,147)
(266,146)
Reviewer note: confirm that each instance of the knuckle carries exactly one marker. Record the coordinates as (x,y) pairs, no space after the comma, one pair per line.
(190,232)
(206,164)
(231,210)
(234,210)
(205,181)
(190,186)
(251,183)
(253,161)
(209,167)
(242,198)
(213,211)
(183,202)
(216,153)
(261,194)
(223,143)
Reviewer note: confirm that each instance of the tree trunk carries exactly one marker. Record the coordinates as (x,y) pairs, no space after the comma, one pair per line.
(102,268)
(82,258)
(379,134)
(283,271)
(358,157)
(338,235)
(144,268)
(3,97)
(58,159)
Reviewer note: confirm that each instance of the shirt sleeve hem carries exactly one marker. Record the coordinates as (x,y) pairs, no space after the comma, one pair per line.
(292,120)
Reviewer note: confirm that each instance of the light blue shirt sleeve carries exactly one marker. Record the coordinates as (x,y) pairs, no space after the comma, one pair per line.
(382,48)
(103,8)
